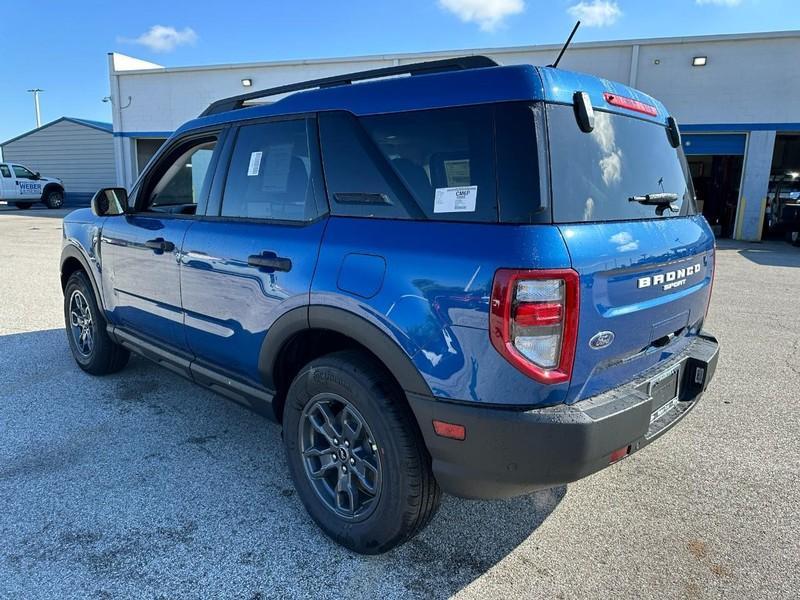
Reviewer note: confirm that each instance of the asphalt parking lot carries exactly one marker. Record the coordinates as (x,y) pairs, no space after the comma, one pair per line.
(143,485)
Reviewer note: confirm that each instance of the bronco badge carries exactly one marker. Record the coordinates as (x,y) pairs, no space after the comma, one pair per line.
(670,279)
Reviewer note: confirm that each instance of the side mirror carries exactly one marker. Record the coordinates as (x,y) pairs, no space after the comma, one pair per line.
(37,175)
(584,112)
(673,133)
(109,202)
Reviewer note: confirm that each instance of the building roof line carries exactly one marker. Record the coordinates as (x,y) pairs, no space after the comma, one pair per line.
(727,37)
(99,125)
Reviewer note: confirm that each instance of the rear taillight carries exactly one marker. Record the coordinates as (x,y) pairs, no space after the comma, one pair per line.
(534,321)
(713,274)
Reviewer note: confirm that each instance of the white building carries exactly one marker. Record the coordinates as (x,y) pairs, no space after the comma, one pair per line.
(735,97)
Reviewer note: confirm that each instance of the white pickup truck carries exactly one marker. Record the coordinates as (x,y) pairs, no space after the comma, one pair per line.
(24,187)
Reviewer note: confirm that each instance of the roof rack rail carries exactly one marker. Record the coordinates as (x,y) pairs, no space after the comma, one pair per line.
(422,68)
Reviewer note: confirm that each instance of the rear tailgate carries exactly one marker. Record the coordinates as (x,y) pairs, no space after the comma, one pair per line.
(648,283)
(624,202)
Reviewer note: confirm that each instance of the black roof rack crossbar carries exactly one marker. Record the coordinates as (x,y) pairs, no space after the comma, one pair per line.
(434,66)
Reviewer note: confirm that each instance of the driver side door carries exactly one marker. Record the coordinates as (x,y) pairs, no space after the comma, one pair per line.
(29,188)
(140,250)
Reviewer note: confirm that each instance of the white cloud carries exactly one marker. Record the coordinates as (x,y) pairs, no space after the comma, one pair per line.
(720,2)
(611,161)
(164,39)
(597,13)
(624,241)
(488,14)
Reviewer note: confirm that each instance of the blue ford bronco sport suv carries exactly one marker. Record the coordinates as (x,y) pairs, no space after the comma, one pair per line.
(449,276)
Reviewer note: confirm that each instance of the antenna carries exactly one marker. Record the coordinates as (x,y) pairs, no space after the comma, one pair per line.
(566,45)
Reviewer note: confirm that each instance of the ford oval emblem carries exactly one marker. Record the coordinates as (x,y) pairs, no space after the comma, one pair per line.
(601,339)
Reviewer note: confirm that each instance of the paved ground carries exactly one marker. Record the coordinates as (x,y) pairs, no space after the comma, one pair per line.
(142,485)
(71,200)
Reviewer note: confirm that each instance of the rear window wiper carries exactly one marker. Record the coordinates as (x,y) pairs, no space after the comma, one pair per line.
(661,201)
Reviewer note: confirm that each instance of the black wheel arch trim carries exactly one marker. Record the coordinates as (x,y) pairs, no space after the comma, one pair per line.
(346,323)
(72,251)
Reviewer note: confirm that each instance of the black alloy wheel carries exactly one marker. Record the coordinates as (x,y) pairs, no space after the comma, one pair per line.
(356,454)
(340,456)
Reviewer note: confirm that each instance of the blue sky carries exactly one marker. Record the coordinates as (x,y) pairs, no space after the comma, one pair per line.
(62,47)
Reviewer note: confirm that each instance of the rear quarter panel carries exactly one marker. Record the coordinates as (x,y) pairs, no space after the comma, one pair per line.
(427,286)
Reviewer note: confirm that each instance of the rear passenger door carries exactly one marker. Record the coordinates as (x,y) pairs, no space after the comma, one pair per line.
(252,257)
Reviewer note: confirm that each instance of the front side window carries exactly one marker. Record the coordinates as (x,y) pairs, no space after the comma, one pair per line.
(598,176)
(183,178)
(5,171)
(271,172)
(23,172)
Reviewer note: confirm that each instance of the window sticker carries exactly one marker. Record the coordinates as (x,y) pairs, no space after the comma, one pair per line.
(255,164)
(276,168)
(457,172)
(455,199)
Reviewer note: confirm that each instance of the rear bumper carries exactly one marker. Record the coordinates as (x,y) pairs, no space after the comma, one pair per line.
(508,453)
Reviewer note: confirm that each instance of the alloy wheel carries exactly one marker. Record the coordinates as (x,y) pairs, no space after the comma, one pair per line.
(340,456)
(81,323)
(55,200)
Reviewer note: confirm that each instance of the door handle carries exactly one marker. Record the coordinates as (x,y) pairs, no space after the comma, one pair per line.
(268,260)
(160,245)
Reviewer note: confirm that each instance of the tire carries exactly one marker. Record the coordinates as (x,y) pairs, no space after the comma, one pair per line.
(54,199)
(23,205)
(97,354)
(406,494)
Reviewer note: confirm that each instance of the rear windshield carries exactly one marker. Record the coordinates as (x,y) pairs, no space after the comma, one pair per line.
(595,175)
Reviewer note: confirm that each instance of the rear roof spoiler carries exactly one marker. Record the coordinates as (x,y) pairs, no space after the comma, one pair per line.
(423,68)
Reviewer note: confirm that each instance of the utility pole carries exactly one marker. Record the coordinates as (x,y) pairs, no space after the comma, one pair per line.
(35,93)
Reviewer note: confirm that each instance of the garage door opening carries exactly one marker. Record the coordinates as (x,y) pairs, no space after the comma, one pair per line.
(716,182)
(145,149)
(716,162)
(782,219)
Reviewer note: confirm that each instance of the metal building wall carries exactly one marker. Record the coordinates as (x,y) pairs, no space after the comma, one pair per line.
(82,156)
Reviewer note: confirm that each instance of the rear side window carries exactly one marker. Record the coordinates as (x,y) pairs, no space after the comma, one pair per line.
(360,183)
(522,189)
(445,158)
(5,171)
(595,175)
(271,173)
(436,164)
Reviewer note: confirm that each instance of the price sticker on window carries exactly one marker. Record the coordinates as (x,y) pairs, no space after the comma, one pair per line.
(455,199)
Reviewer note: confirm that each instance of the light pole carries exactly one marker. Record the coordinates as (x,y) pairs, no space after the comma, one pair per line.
(35,93)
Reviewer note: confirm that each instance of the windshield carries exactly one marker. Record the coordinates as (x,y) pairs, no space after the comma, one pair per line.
(596,175)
